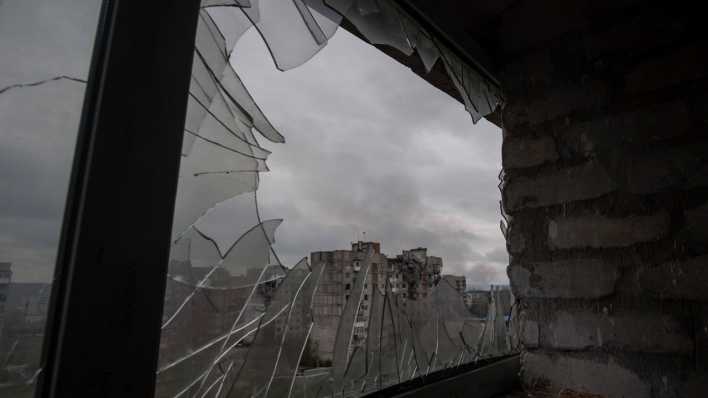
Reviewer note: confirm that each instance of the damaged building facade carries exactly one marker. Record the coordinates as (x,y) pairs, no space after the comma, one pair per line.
(409,275)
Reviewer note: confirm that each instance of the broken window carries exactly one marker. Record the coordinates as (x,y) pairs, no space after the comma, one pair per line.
(240,321)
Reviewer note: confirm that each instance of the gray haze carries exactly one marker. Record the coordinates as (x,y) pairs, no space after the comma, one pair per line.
(373,148)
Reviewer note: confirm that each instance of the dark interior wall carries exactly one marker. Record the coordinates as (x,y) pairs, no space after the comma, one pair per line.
(605,159)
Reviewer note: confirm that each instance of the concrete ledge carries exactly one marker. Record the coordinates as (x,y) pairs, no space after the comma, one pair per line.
(686,279)
(496,377)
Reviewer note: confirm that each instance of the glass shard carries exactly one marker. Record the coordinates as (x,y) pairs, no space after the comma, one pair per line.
(278,343)
(226,3)
(239,323)
(383,27)
(285,32)
(326,17)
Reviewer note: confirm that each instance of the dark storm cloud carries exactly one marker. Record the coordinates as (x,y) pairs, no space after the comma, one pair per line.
(373,148)
(370,148)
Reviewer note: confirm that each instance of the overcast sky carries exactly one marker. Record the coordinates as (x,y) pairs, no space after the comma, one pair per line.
(370,148)
(373,148)
(39,39)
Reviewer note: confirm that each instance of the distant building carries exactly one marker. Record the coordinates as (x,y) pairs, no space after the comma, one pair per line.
(417,271)
(457,281)
(477,301)
(341,267)
(25,315)
(410,275)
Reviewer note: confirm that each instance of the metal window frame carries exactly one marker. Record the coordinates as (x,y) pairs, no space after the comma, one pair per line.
(103,328)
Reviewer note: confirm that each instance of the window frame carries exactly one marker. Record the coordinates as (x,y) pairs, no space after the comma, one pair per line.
(103,324)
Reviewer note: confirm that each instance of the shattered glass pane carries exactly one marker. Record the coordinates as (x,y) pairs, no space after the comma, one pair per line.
(390,343)
(351,331)
(295,335)
(326,17)
(278,341)
(452,314)
(232,22)
(420,41)
(383,27)
(46,48)
(214,306)
(226,3)
(291,38)
(239,322)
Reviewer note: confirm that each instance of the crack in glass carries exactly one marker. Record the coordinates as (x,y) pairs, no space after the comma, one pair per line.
(238,322)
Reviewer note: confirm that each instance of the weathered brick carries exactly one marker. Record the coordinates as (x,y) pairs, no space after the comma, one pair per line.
(640,331)
(587,181)
(664,169)
(686,279)
(529,334)
(520,28)
(602,232)
(695,385)
(700,324)
(696,228)
(652,27)
(680,65)
(555,103)
(630,140)
(521,32)
(654,122)
(602,376)
(582,278)
(516,242)
(532,72)
(527,152)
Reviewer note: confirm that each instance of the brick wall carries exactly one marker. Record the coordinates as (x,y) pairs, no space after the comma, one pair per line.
(605,160)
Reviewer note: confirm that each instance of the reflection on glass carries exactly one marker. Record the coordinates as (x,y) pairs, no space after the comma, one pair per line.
(46,49)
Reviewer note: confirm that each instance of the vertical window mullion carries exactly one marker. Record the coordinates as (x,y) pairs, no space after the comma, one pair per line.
(103,330)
